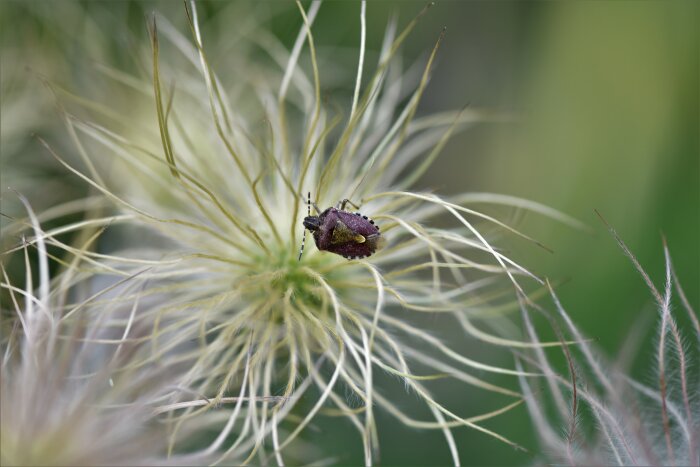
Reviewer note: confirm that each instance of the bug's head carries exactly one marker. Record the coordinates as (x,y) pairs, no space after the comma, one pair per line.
(313,223)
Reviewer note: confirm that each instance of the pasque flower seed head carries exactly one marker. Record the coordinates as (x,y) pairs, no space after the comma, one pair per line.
(209,197)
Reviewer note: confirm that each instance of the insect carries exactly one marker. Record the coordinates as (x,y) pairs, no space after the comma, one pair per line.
(348,234)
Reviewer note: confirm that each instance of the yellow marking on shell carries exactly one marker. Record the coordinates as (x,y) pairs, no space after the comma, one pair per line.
(342,234)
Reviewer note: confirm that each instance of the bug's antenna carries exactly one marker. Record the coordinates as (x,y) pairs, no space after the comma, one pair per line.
(303,240)
(303,237)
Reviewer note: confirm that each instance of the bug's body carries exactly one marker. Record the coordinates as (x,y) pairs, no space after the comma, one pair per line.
(350,235)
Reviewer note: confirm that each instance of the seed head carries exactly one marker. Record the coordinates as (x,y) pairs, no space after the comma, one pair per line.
(76,387)
(209,193)
(634,423)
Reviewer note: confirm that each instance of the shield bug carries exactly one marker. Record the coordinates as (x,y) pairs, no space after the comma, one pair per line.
(348,234)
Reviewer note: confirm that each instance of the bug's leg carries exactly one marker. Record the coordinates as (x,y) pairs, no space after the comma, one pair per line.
(345,202)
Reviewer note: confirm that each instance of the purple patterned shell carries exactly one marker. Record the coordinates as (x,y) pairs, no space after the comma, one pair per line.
(347,234)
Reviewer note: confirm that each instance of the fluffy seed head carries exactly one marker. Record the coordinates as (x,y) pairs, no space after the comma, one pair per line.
(209,198)
(633,423)
(76,387)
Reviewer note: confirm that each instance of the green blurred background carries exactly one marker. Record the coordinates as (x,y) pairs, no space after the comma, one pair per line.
(601,111)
